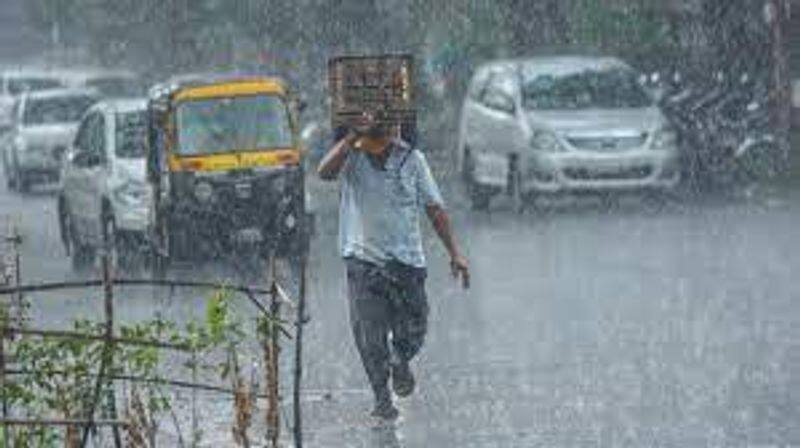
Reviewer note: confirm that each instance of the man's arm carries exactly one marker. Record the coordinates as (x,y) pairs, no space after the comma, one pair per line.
(441,223)
(331,165)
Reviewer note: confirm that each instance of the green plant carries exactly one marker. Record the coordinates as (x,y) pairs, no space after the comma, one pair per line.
(59,373)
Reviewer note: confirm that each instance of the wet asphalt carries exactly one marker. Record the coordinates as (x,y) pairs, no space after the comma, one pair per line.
(585,326)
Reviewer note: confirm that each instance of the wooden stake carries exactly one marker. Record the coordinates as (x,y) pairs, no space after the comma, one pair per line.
(108,350)
(271,361)
(298,354)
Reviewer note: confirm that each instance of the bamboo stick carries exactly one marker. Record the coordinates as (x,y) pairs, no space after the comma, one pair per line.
(95,337)
(61,422)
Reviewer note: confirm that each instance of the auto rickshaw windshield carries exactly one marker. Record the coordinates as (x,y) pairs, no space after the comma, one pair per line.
(220,125)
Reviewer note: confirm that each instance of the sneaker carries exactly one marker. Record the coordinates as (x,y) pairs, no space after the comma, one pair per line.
(385,411)
(402,379)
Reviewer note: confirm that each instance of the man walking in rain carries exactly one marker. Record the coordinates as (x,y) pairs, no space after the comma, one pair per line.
(386,184)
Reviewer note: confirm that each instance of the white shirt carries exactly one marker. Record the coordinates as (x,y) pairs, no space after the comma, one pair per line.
(380,208)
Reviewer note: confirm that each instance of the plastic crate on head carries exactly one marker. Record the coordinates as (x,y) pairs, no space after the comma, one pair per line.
(382,84)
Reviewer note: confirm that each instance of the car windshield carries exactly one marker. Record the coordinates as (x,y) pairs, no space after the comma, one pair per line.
(17,86)
(131,133)
(232,124)
(610,89)
(117,87)
(63,109)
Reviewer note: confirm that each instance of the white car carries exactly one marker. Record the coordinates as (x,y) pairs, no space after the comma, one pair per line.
(563,124)
(104,187)
(14,83)
(45,123)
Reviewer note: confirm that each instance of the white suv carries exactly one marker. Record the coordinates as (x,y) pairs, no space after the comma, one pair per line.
(563,124)
(104,187)
(44,126)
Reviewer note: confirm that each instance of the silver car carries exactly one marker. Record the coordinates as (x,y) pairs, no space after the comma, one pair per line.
(45,123)
(563,124)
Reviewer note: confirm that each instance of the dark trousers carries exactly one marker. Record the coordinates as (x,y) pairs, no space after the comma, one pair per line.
(386,302)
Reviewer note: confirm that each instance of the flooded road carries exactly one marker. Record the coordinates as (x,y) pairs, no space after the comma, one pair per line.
(584,327)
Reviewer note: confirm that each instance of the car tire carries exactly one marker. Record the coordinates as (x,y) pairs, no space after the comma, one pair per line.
(655,200)
(82,255)
(159,262)
(480,197)
(13,176)
(24,182)
(64,225)
(11,185)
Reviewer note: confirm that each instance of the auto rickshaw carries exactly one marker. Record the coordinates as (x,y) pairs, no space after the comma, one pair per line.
(225,166)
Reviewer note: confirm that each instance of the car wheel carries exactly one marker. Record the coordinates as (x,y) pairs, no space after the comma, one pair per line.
(24,182)
(13,176)
(83,255)
(11,183)
(655,200)
(7,174)
(64,225)
(158,260)
(480,196)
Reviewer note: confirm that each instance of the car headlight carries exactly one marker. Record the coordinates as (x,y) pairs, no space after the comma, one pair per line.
(546,142)
(203,191)
(665,139)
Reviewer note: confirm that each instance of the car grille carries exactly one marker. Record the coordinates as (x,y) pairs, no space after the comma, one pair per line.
(634,173)
(608,143)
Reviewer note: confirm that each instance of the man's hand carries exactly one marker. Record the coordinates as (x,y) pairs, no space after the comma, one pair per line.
(441,223)
(460,268)
(333,161)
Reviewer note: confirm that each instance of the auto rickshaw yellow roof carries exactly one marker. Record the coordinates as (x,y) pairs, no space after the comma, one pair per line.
(232,88)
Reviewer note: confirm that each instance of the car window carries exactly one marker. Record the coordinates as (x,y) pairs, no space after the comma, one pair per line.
(499,93)
(82,138)
(131,134)
(233,124)
(55,110)
(598,89)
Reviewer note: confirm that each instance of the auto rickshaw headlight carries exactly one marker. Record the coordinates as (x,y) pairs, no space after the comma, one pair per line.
(203,191)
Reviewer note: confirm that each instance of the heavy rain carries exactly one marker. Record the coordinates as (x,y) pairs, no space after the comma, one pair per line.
(399,223)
